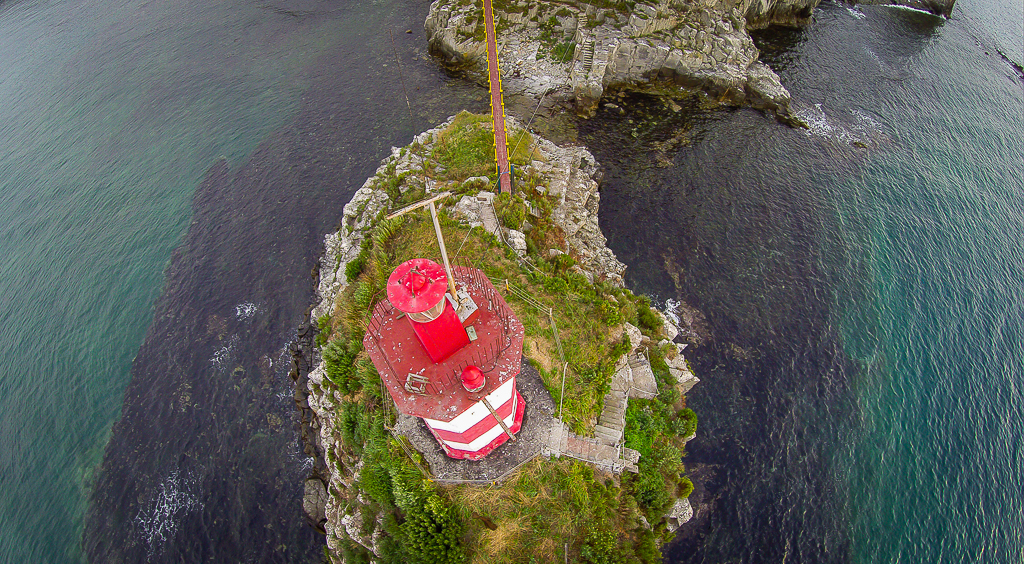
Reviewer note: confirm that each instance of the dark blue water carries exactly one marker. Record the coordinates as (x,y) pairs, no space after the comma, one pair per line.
(168,170)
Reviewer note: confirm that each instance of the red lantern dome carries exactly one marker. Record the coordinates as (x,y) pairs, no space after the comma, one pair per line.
(417,285)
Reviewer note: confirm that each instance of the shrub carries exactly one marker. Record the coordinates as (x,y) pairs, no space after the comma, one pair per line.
(338,360)
(600,547)
(511,210)
(355,267)
(688,420)
(324,330)
(648,319)
(353,424)
(651,494)
(431,532)
(685,487)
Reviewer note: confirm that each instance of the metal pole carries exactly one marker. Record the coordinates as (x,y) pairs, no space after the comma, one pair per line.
(444,253)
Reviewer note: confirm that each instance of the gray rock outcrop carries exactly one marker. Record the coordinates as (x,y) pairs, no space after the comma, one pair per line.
(696,44)
(680,513)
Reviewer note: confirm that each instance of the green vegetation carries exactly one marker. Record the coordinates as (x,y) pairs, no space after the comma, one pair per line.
(466,149)
(563,51)
(547,507)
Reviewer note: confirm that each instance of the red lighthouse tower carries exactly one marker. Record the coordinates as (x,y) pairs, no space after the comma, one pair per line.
(451,360)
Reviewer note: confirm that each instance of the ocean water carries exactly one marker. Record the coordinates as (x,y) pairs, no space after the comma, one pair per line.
(105,132)
(167,171)
(861,281)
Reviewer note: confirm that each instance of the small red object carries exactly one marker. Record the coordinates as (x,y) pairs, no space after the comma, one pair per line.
(473,379)
(417,285)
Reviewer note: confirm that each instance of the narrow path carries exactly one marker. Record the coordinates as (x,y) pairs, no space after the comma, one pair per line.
(497,106)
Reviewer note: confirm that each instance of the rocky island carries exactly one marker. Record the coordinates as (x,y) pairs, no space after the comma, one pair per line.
(573,51)
(596,470)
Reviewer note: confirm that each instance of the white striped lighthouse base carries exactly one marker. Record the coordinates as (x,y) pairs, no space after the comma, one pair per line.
(475,432)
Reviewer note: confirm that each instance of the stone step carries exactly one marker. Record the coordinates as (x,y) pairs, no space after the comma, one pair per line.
(613,415)
(614,400)
(607,434)
(615,412)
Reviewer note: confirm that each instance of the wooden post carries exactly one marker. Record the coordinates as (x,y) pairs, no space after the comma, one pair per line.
(437,231)
(500,422)
(444,253)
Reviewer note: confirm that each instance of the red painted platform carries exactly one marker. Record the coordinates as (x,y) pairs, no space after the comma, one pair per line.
(396,352)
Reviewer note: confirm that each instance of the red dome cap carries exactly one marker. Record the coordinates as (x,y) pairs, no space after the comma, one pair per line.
(473,379)
(417,285)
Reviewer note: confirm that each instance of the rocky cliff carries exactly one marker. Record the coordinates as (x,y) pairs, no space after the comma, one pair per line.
(574,51)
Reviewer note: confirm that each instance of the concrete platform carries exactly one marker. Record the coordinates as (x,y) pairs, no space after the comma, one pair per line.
(529,441)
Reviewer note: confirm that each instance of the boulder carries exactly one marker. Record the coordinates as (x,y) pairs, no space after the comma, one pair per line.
(518,241)
(314,500)
(680,513)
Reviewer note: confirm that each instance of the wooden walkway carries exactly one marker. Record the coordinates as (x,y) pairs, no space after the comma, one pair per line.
(497,105)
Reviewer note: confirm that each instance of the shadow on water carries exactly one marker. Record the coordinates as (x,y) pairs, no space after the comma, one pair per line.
(205,462)
(725,217)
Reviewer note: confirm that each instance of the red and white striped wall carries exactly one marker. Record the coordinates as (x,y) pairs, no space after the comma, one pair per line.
(475,432)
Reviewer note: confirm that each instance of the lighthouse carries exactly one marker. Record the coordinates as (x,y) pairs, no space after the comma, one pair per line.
(448,349)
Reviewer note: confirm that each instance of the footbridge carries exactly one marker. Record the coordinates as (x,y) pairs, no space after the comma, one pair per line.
(497,105)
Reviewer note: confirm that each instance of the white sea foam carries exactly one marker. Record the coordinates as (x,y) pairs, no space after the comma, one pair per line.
(157,521)
(909,9)
(246,311)
(855,12)
(820,125)
(222,357)
(672,311)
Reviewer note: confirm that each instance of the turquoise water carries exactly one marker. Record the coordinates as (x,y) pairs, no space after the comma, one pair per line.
(111,114)
(938,471)
(862,360)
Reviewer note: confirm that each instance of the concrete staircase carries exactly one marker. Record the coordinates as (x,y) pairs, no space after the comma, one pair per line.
(633,378)
(615,458)
(613,418)
(587,55)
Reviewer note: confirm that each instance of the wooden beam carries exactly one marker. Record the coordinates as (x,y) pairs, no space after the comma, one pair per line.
(500,422)
(419,204)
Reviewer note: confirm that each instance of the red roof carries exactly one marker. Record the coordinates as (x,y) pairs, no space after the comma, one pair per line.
(417,285)
(397,353)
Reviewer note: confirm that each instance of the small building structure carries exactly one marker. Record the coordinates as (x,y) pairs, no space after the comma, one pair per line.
(451,360)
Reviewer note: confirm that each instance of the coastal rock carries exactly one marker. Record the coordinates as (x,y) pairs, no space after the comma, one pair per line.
(680,370)
(634,335)
(680,513)
(699,46)
(667,326)
(314,500)
(517,239)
